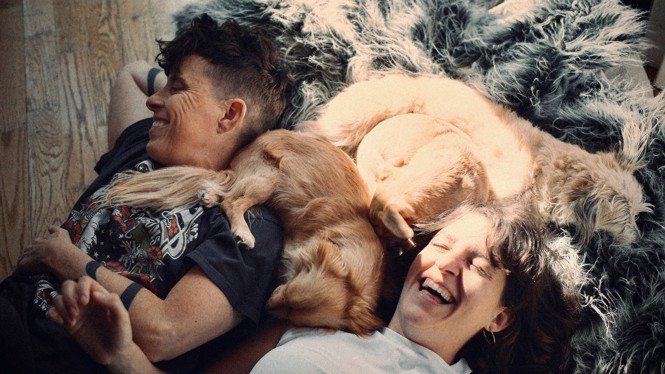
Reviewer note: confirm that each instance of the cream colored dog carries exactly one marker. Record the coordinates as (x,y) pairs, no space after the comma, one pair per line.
(332,261)
(416,166)
(505,156)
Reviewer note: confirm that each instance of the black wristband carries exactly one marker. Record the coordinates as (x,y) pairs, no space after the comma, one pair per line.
(152,73)
(129,294)
(91,269)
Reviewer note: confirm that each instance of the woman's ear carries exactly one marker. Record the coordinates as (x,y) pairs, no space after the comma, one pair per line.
(502,320)
(233,114)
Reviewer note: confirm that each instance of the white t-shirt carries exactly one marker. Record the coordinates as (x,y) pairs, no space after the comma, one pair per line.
(309,351)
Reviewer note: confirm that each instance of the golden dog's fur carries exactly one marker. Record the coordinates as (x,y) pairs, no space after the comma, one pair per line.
(332,261)
(508,155)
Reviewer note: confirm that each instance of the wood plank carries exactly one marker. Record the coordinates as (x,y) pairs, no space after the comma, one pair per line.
(47,163)
(41,57)
(14,199)
(80,145)
(12,60)
(138,40)
(70,24)
(45,117)
(14,186)
(105,60)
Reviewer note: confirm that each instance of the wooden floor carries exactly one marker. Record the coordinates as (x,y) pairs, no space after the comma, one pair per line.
(58,61)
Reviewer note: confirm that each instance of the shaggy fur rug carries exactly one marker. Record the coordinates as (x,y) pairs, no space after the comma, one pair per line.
(549,62)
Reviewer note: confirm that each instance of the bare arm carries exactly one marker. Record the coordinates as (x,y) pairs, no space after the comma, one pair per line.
(194,312)
(128,98)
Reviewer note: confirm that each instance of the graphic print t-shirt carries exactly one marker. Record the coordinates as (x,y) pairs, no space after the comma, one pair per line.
(155,248)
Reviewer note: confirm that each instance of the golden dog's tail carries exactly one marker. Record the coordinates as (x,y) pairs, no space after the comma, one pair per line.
(355,111)
(170,188)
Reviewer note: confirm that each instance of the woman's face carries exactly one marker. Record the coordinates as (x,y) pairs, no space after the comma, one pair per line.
(186,114)
(451,290)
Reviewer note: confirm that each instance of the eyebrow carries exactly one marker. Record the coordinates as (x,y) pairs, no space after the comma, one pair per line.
(452,240)
(480,254)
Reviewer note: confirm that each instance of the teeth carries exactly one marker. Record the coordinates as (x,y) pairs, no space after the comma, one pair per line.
(158,124)
(446,296)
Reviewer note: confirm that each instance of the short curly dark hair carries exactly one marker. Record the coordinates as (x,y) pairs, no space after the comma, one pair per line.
(246,64)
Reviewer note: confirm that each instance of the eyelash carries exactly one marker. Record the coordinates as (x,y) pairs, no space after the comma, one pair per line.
(481,270)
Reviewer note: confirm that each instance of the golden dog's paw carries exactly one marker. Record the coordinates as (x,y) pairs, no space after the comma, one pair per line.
(392,220)
(207,199)
(244,238)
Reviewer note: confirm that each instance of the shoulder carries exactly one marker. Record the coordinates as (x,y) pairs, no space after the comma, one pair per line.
(129,146)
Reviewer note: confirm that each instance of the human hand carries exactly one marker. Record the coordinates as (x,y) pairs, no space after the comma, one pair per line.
(53,252)
(95,318)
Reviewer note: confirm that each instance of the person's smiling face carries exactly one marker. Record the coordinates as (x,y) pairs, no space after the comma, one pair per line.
(186,113)
(452,291)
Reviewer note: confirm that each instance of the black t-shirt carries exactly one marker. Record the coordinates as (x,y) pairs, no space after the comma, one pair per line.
(155,248)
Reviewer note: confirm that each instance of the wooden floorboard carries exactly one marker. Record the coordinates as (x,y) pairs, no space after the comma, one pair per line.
(14,187)
(59,60)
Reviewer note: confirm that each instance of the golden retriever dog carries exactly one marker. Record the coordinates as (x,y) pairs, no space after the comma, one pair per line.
(333,261)
(592,191)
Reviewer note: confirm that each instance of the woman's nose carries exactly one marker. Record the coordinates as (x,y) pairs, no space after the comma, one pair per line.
(154,102)
(451,264)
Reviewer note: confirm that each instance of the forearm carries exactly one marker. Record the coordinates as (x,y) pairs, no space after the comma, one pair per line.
(139,71)
(128,98)
(194,312)
(133,360)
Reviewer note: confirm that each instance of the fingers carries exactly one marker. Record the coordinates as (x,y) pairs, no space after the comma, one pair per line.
(54,316)
(65,305)
(74,296)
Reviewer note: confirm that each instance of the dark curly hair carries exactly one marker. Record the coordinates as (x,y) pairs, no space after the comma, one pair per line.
(538,339)
(246,64)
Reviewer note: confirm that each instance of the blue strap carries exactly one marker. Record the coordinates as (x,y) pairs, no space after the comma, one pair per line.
(129,294)
(152,73)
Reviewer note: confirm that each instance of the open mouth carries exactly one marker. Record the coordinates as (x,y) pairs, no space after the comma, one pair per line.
(438,291)
(158,124)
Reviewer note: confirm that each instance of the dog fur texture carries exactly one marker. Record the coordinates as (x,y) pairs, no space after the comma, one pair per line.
(570,186)
(395,159)
(333,261)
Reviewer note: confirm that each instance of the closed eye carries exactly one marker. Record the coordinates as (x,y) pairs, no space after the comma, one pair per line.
(481,268)
(441,247)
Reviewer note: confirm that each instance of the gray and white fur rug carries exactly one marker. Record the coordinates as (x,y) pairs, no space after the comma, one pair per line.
(546,59)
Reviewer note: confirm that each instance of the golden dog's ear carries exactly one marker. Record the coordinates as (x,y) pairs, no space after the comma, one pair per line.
(363,318)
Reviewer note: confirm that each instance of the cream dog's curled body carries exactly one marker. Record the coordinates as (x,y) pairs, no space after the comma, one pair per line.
(333,261)
(592,191)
